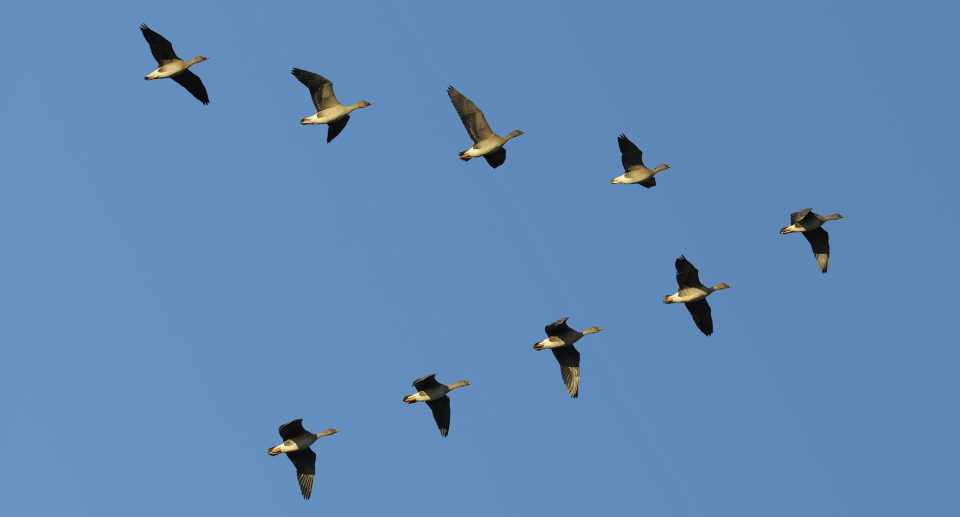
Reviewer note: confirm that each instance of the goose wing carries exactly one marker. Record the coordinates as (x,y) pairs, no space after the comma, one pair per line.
(305,461)
(820,242)
(496,158)
(796,217)
(292,429)
(441,413)
(630,154)
(569,359)
(193,84)
(334,128)
(558,327)
(700,310)
(321,89)
(687,275)
(471,116)
(649,182)
(160,47)
(426,382)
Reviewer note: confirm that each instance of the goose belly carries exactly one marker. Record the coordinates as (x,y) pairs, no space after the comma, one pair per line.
(165,71)
(480,150)
(327,116)
(689,295)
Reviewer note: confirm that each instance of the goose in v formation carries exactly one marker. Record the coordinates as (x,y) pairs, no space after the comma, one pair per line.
(296,443)
(694,294)
(811,225)
(329,109)
(560,340)
(486,143)
(634,170)
(435,395)
(171,66)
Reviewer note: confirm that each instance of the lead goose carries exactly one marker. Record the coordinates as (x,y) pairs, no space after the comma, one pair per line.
(694,294)
(486,143)
(435,395)
(560,340)
(634,170)
(329,109)
(296,443)
(810,224)
(172,66)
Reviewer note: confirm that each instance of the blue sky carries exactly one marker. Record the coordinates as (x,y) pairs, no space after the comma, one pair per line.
(178,280)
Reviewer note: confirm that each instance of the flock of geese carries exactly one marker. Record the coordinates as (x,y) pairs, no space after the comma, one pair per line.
(560,337)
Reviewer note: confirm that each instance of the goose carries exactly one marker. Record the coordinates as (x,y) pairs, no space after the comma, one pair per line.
(634,169)
(172,66)
(810,224)
(486,143)
(329,109)
(435,395)
(296,443)
(693,294)
(560,340)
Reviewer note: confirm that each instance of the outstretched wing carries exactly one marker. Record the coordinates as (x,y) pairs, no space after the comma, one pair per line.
(569,359)
(700,310)
(160,47)
(305,461)
(649,182)
(796,217)
(687,275)
(630,155)
(496,158)
(557,327)
(441,413)
(193,84)
(820,242)
(291,429)
(321,89)
(426,382)
(471,116)
(334,128)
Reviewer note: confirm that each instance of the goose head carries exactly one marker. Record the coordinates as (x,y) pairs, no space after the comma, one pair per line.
(459,384)
(720,286)
(514,133)
(592,330)
(661,167)
(328,432)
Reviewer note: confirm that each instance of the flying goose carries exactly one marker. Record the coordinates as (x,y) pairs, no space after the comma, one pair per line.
(296,443)
(634,169)
(435,395)
(693,294)
(172,66)
(810,224)
(560,340)
(329,109)
(486,143)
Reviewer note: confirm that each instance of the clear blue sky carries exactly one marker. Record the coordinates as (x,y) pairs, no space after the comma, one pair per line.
(178,280)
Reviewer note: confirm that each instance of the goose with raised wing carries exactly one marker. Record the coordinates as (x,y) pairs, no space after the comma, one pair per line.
(329,109)
(560,340)
(810,224)
(296,444)
(434,393)
(694,294)
(171,66)
(486,143)
(635,172)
